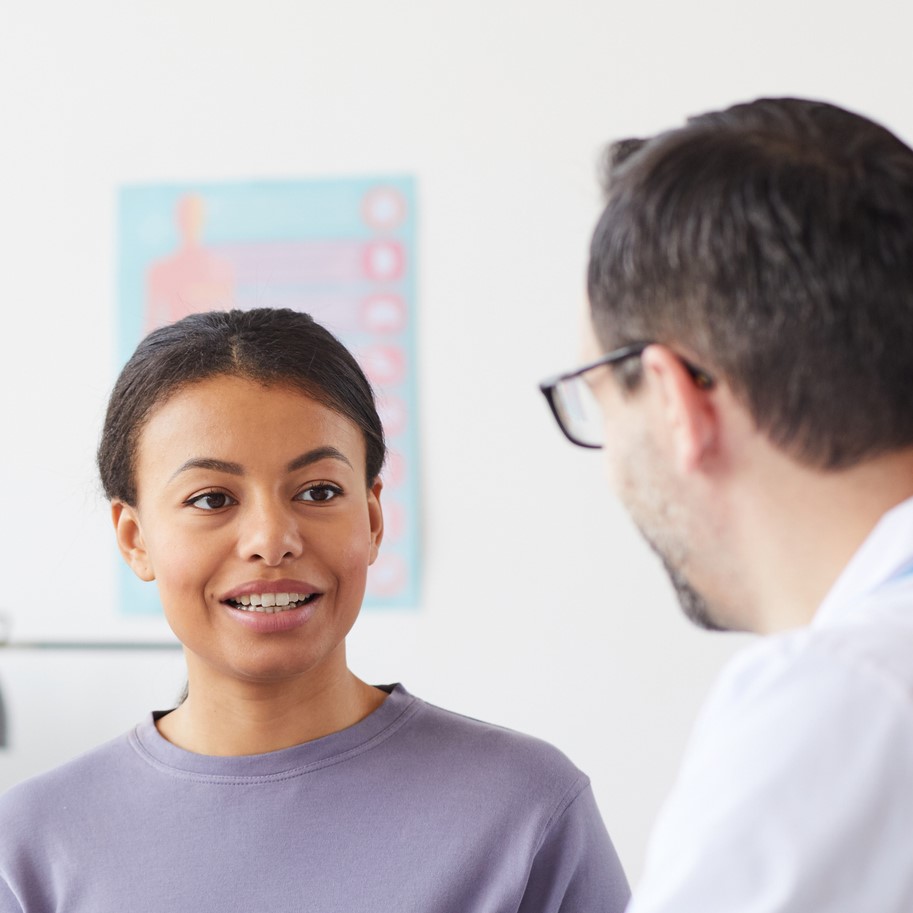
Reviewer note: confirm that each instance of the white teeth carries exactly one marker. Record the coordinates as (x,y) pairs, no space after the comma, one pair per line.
(269,603)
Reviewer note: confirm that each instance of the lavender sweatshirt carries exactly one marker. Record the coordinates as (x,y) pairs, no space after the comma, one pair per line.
(412,809)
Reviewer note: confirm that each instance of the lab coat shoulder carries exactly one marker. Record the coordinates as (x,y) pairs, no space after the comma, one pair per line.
(796,791)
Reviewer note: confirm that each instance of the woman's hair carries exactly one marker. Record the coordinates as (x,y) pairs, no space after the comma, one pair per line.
(275,347)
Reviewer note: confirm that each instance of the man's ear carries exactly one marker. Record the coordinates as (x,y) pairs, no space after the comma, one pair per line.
(130,540)
(688,409)
(375,518)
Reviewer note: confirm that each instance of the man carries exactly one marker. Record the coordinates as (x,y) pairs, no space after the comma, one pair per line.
(751,291)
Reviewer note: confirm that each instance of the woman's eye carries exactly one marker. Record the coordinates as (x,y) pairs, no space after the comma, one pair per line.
(319,493)
(211,500)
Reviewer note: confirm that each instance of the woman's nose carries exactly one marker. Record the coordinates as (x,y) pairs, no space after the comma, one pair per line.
(271,534)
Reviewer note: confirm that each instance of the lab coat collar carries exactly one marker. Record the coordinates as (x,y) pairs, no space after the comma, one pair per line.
(886,553)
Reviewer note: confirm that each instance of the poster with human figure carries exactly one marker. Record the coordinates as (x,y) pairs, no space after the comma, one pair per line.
(193,277)
(341,250)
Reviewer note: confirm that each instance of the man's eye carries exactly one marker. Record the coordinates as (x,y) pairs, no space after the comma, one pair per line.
(211,500)
(319,493)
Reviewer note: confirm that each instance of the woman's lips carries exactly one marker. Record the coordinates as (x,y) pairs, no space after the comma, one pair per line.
(273,619)
(260,588)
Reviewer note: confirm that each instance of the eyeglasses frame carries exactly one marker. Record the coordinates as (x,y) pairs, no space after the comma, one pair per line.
(634,350)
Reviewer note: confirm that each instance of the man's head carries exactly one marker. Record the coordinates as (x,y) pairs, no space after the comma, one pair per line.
(773,242)
(768,251)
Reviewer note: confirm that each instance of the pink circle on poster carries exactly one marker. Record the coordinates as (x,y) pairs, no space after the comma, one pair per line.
(393,414)
(383,208)
(394,520)
(394,470)
(383,364)
(387,575)
(384,261)
(384,314)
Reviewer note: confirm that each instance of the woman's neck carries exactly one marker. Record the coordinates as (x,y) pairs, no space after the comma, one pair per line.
(229,718)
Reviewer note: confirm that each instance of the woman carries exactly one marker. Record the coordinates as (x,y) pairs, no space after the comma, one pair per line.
(241,454)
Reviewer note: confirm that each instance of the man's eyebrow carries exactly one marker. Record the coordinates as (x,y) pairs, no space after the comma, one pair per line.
(235,469)
(317,454)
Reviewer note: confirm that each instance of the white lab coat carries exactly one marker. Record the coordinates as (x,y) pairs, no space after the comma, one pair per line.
(796,791)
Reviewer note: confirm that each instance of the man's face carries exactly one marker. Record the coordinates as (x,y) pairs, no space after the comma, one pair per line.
(641,472)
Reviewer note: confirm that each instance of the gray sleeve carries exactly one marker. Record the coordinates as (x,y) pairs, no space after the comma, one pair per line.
(576,869)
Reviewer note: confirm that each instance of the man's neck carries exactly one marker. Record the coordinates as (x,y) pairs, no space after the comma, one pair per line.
(799,527)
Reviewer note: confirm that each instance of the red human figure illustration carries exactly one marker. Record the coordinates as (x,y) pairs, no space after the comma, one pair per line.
(191,279)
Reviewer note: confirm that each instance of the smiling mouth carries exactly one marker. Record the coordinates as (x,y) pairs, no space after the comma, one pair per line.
(270,603)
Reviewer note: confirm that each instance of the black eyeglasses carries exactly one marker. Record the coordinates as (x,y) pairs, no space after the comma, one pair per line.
(575,407)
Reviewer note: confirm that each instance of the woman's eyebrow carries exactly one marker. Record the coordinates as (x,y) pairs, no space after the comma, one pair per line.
(236,469)
(315,455)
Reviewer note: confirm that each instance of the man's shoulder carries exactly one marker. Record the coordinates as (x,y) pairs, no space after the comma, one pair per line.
(835,688)
(801,763)
(870,649)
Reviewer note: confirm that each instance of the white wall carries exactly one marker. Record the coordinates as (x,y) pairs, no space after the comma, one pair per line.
(541,609)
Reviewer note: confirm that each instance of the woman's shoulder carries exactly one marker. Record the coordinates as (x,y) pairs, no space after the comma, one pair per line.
(65,788)
(482,749)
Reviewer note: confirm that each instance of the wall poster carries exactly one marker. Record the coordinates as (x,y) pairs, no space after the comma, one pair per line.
(341,250)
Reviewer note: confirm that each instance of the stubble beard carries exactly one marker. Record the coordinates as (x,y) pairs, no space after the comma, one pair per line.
(693,604)
(664,523)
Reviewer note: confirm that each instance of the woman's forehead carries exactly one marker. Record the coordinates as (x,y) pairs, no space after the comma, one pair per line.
(246,417)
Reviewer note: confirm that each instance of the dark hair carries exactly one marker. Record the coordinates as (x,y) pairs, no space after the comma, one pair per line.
(771,243)
(276,347)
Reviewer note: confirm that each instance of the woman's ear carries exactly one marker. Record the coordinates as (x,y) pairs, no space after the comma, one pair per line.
(130,540)
(375,518)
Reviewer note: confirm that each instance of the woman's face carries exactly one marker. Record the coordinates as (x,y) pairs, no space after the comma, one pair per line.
(250,495)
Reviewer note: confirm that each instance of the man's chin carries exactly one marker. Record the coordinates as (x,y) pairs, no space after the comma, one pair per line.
(695,607)
(672,551)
